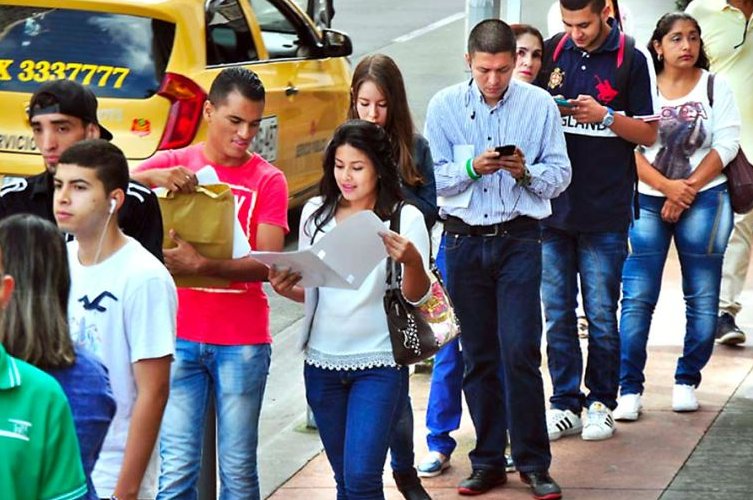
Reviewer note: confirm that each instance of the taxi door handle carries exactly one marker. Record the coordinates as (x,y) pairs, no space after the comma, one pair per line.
(291,90)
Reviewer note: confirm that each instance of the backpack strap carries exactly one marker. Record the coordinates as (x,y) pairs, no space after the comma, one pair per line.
(561,39)
(394,270)
(625,53)
(621,50)
(710,89)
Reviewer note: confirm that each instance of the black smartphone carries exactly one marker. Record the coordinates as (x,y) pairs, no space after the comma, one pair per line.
(507,150)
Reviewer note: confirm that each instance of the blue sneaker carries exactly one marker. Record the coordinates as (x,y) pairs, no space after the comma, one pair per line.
(433,464)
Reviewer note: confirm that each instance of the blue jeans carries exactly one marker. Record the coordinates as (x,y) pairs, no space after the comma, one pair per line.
(236,377)
(494,282)
(701,237)
(355,411)
(598,258)
(444,408)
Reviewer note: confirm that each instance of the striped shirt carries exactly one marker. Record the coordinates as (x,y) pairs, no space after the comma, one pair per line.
(525,116)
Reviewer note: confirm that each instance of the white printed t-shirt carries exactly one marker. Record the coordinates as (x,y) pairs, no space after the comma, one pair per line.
(690,128)
(123,310)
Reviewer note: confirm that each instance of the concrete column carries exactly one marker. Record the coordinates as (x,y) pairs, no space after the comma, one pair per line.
(478,10)
(512,11)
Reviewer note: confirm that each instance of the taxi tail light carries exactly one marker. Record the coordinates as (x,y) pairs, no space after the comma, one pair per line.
(187,101)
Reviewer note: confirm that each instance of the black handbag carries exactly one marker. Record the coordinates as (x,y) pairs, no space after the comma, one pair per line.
(739,171)
(739,174)
(417,332)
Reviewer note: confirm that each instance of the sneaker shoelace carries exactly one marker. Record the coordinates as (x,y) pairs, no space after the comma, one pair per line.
(599,415)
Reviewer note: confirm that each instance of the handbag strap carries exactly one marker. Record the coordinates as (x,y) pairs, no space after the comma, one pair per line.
(394,271)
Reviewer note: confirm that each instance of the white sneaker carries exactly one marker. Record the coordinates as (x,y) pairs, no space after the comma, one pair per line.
(599,423)
(683,398)
(560,423)
(628,407)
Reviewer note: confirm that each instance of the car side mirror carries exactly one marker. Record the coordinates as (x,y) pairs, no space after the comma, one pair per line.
(336,44)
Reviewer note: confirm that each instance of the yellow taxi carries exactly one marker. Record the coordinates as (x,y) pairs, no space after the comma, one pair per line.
(151,62)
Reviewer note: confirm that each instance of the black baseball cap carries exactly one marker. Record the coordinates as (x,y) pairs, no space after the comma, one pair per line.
(69,98)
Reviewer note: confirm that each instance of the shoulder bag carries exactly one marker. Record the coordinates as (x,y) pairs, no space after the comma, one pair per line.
(418,331)
(739,171)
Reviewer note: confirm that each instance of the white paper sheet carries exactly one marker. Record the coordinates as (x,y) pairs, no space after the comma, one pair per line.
(342,258)
(460,154)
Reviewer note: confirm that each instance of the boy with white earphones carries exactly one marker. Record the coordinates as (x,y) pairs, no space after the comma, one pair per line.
(122,307)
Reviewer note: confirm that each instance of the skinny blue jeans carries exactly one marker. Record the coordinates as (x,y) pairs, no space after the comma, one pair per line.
(355,411)
(700,236)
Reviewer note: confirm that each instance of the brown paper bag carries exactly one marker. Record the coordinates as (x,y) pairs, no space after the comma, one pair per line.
(205,220)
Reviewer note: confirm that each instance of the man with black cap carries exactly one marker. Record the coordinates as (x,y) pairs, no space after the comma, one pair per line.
(62,113)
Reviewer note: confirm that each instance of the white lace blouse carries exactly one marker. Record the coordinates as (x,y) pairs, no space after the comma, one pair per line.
(347,329)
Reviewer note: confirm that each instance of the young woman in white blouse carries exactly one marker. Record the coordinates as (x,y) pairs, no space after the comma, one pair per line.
(683,195)
(353,384)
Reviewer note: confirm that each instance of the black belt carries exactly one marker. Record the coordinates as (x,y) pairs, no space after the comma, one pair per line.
(456,225)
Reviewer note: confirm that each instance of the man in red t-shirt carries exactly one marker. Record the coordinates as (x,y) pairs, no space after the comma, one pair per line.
(223,347)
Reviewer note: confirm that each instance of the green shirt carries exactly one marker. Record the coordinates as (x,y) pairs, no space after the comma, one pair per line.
(39,455)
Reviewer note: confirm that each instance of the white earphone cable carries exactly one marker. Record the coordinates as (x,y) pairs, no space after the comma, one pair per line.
(102,237)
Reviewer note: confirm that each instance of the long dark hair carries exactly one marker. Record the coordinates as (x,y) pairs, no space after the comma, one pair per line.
(373,141)
(383,72)
(663,26)
(34,327)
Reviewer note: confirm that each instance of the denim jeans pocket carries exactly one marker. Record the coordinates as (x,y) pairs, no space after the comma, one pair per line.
(527,235)
(453,242)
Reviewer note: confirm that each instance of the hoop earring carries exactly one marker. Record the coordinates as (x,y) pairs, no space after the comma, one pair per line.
(660,57)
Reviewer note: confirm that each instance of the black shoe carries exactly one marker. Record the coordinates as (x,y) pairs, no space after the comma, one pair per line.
(481,481)
(727,331)
(542,485)
(409,485)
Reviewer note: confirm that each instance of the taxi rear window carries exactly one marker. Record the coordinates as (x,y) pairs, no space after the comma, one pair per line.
(115,55)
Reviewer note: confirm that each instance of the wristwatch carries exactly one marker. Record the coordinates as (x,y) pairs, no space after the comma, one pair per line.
(608,119)
(525,181)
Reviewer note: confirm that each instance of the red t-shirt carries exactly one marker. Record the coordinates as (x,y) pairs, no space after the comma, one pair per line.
(240,314)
